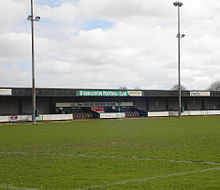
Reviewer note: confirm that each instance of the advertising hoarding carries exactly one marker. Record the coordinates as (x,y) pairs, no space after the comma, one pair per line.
(92,104)
(199,93)
(97,108)
(57,117)
(5,92)
(112,115)
(21,118)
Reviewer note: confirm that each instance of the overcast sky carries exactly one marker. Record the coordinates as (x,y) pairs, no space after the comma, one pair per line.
(110,43)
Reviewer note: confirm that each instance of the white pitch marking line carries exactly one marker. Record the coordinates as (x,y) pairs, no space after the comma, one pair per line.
(120,183)
(148,178)
(17,188)
(108,157)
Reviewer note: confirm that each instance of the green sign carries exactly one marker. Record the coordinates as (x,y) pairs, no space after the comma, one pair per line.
(107,93)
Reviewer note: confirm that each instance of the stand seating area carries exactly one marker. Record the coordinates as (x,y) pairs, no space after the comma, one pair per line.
(132,114)
(82,115)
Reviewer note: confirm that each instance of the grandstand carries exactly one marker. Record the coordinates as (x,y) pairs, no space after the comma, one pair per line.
(94,103)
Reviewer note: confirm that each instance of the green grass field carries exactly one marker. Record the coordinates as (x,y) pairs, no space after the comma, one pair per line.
(157,153)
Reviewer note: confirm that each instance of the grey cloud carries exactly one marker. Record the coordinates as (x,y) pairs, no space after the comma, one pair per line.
(114,9)
(140,50)
(14,76)
(14,47)
(13,11)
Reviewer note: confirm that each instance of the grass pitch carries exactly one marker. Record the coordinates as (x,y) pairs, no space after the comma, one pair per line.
(158,153)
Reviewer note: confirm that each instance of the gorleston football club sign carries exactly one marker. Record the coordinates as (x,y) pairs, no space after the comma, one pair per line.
(107,93)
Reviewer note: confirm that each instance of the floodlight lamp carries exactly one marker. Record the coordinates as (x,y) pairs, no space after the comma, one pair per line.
(37,18)
(175,4)
(30,18)
(179,4)
(183,35)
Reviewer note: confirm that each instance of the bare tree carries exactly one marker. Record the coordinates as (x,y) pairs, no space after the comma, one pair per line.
(176,87)
(136,88)
(123,88)
(215,86)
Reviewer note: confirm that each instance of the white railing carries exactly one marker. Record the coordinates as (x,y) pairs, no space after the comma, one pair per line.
(63,117)
(185,113)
